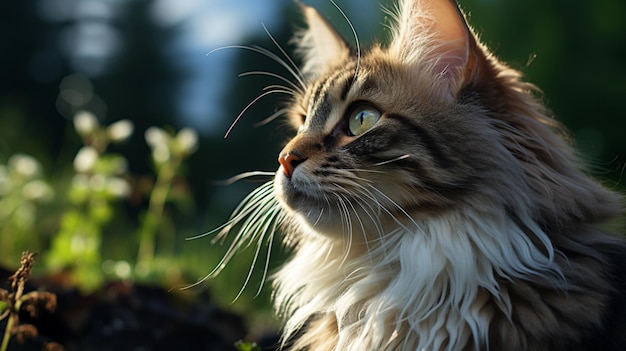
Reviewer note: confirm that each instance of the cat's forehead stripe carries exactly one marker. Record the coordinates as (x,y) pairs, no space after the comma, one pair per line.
(321,102)
(347,85)
(323,87)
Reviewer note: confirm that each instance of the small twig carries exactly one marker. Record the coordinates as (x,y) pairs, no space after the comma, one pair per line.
(16,299)
(7,334)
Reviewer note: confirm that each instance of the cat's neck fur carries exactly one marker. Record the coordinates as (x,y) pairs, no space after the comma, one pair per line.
(439,286)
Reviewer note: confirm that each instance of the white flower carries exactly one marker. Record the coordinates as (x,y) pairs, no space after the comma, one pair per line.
(78,244)
(120,130)
(24,165)
(98,182)
(123,269)
(157,137)
(108,266)
(80,181)
(86,159)
(85,123)
(37,190)
(118,187)
(120,268)
(187,140)
(161,154)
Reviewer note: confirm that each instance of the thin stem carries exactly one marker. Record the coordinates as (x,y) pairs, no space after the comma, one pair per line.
(156,207)
(7,333)
(15,302)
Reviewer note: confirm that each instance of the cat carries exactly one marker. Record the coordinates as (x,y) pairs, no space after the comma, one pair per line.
(431,202)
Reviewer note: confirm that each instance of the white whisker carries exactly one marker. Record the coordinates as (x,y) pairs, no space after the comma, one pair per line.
(258,212)
(274,75)
(356,38)
(269,248)
(272,117)
(268,222)
(403,157)
(224,227)
(244,175)
(395,204)
(346,224)
(280,87)
(368,208)
(268,54)
(250,105)
(298,74)
(360,170)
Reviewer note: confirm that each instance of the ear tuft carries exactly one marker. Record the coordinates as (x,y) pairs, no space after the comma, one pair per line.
(320,46)
(434,33)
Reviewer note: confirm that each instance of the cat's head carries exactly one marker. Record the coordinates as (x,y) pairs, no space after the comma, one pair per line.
(429,123)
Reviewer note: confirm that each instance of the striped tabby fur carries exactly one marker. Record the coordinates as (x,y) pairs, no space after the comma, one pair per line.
(460,220)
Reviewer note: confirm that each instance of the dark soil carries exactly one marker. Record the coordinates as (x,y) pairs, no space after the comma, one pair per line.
(123,316)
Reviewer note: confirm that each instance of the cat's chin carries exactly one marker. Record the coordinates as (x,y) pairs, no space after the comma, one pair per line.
(296,194)
(308,208)
(316,212)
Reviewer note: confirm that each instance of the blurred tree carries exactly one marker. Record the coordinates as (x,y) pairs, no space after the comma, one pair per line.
(143,82)
(248,146)
(31,66)
(106,57)
(574,52)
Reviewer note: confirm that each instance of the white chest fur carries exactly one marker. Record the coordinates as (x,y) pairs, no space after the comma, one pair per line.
(414,290)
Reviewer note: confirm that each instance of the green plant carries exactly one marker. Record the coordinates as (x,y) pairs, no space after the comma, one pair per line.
(86,202)
(246,346)
(169,150)
(98,182)
(22,190)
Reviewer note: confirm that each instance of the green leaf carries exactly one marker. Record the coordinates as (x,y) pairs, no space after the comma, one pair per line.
(246,346)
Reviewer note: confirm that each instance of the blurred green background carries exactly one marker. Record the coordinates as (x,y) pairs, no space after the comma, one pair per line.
(146,61)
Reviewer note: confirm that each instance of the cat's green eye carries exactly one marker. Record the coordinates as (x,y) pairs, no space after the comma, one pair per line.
(362,118)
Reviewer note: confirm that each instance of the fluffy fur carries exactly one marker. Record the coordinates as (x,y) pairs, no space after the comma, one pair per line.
(462,220)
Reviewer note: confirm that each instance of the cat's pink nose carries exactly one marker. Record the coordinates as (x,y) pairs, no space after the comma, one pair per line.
(289,161)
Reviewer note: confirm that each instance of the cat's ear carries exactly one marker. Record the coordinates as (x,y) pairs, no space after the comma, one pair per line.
(320,45)
(434,33)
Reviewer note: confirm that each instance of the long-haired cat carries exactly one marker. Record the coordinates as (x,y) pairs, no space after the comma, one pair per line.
(431,202)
